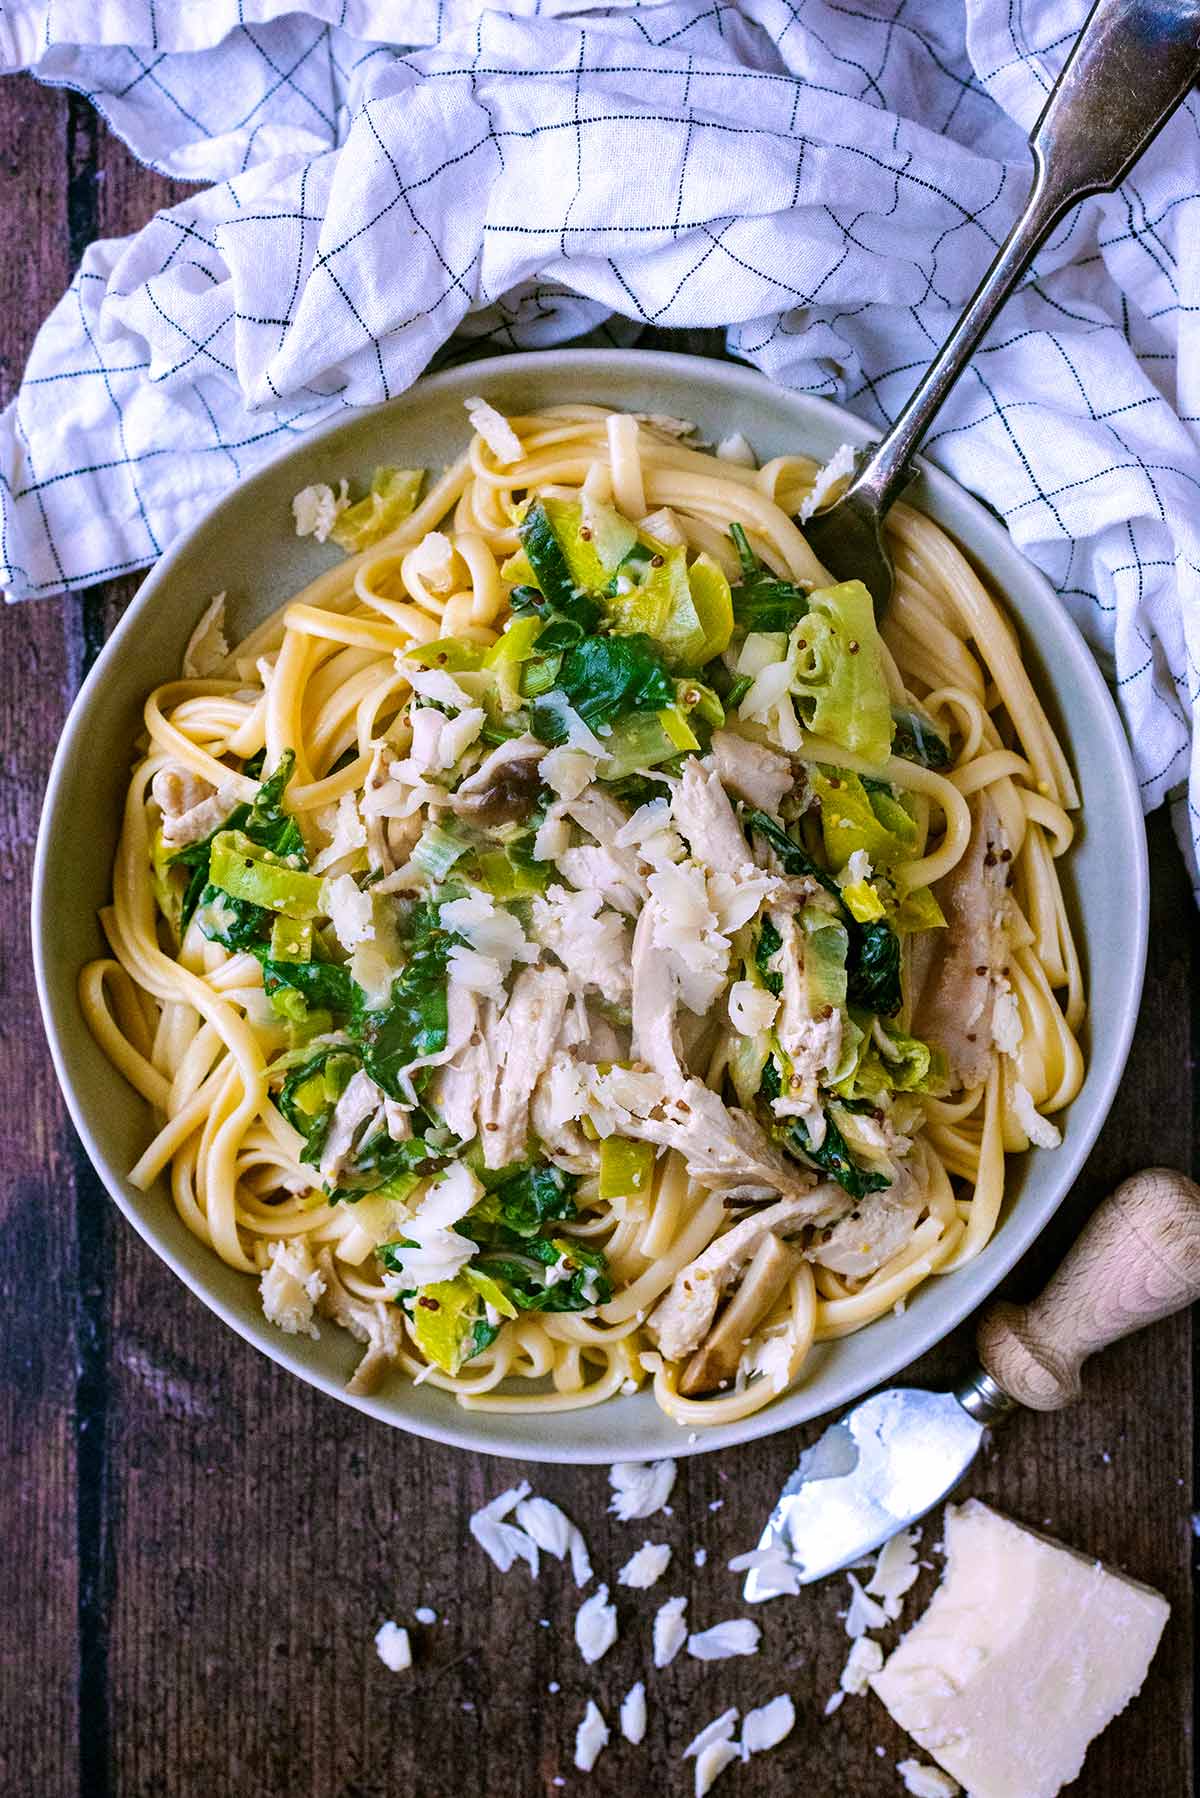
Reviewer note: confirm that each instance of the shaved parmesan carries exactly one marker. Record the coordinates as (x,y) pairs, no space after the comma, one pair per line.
(393,1647)
(495,430)
(1007,1029)
(595,1625)
(640,1488)
(724,1640)
(590,1737)
(768,1725)
(488,928)
(316,509)
(1038,1129)
(926,1782)
(554,1532)
(350,911)
(645,1567)
(345,830)
(711,1762)
(735,449)
(896,1571)
(633,1713)
(207,647)
(864,1613)
(751,1008)
(839,465)
(433,560)
(502,1542)
(476,973)
(864,1659)
(670,1631)
(719,1730)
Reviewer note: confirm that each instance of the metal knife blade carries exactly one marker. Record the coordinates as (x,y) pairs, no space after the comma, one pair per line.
(880,1467)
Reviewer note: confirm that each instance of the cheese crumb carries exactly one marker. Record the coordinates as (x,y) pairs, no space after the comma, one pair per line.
(896,1571)
(393,1648)
(700,1557)
(350,912)
(316,509)
(423,1614)
(633,1713)
(926,1782)
(865,1658)
(649,1564)
(737,1635)
(834,1702)
(640,1488)
(864,1613)
(670,1631)
(590,1737)
(495,430)
(595,1625)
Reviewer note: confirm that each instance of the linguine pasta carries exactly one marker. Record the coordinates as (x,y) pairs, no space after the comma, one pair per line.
(569,948)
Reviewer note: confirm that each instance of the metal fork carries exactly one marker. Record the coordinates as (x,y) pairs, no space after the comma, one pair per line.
(1131,66)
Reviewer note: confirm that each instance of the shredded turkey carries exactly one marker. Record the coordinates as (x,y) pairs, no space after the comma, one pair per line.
(192,808)
(879,1225)
(520,1047)
(685,1316)
(376,1322)
(953,1007)
(755,773)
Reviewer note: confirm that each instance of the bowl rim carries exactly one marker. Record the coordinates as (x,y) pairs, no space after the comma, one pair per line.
(469,1429)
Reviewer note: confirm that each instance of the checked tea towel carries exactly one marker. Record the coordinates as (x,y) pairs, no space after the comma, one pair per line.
(825,178)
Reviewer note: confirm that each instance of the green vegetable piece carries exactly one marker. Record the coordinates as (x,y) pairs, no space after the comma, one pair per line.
(592,541)
(413,1023)
(918,739)
(511,873)
(792,858)
(456,655)
(547,558)
(392,496)
(318,983)
(516,644)
(290,940)
(245,871)
(527,1197)
(853,818)
(910,1066)
(826,943)
(873,969)
(762,601)
(713,601)
(310,1092)
(606,678)
(839,681)
(658,603)
(834,1158)
(677,729)
(637,742)
(236,923)
(443,1315)
(626,1168)
(438,848)
(490,1291)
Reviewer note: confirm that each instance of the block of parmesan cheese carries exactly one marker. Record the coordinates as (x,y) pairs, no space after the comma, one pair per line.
(1026,1652)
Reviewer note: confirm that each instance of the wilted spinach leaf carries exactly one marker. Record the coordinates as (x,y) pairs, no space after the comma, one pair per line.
(761,600)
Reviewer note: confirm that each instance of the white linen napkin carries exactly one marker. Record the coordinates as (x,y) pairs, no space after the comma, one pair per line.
(827,181)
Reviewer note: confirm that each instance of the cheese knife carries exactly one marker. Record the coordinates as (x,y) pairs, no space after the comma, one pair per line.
(898,1453)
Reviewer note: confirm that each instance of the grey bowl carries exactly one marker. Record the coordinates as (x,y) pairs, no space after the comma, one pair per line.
(246,546)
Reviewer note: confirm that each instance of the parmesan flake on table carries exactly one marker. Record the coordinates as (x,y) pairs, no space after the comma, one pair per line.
(896,1572)
(926,1782)
(781,1571)
(737,1635)
(719,1730)
(633,1713)
(864,1613)
(590,1737)
(595,1625)
(552,1530)
(767,1726)
(393,1647)
(864,1659)
(640,1488)
(503,1542)
(645,1567)
(495,430)
(711,1762)
(424,1614)
(670,1631)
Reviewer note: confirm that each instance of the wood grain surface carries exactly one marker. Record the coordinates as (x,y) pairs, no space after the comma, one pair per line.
(196,1549)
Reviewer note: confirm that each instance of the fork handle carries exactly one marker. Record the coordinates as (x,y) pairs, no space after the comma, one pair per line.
(1132,64)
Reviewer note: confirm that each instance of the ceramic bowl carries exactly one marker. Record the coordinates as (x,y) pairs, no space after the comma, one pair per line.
(247,546)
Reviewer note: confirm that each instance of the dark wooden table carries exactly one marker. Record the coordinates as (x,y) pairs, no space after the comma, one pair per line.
(196,1549)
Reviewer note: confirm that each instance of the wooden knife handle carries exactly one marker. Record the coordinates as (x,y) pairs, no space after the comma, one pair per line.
(1138,1259)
